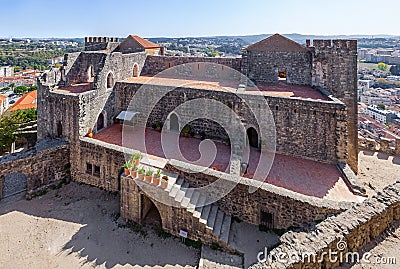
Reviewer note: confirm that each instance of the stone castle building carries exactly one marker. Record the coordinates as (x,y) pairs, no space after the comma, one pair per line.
(311,92)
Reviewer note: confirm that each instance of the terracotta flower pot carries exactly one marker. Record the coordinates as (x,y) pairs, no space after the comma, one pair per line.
(134,173)
(141,176)
(148,178)
(90,135)
(164,184)
(156,181)
(137,161)
(126,171)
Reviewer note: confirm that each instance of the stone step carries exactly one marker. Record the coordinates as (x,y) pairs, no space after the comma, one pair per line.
(182,192)
(176,187)
(205,213)
(193,201)
(226,227)
(212,216)
(187,197)
(218,223)
(199,206)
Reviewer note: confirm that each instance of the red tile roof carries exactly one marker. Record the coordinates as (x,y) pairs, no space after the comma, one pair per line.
(27,101)
(146,44)
(277,43)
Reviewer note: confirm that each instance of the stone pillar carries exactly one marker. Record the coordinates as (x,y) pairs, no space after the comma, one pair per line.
(397,149)
(385,145)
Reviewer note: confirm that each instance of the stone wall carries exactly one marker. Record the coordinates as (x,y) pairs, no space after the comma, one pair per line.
(356,227)
(305,128)
(335,69)
(289,209)
(262,66)
(44,165)
(382,146)
(157,64)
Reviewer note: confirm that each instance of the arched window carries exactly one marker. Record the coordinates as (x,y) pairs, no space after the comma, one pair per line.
(90,73)
(110,80)
(173,123)
(252,135)
(136,70)
(100,122)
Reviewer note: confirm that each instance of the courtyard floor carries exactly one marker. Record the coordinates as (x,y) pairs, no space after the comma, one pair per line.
(303,176)
(76,227)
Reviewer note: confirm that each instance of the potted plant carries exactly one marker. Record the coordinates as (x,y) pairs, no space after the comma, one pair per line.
(127,166)
(135,158)
(156,177)
(141,174)
(186,130)
(90,133)
(148,176)
(164,181)
(134,171)
(158,126)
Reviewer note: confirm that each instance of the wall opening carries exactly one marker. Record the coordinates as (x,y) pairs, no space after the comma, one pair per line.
(110,80)
(59,129)
(13,184)
(267,219)
(135,70)
(100,124)
(173,123)
(252,136)
(149,212)
(282,74)
(90,74)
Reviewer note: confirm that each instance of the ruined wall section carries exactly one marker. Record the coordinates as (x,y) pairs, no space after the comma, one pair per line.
(157,64)
(335,69)
(262,66)
(356,227)
(308,129)
(44,165)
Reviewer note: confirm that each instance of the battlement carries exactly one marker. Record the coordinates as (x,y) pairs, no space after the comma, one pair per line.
(99,43)
(335,44)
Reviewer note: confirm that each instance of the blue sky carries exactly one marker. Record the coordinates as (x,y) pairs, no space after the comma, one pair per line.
(173,18)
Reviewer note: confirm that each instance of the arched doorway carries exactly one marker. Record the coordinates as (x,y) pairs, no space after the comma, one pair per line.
(100,122)
(149,212)
(173,123)
(252,136)
(90,73)
(59,129)
(110,80)
(136,70)
(13,184)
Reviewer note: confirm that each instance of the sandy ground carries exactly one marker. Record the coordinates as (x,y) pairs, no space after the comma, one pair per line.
(377,170)
(74,227)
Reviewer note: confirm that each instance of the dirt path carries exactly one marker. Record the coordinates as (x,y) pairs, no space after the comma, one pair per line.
(75,227)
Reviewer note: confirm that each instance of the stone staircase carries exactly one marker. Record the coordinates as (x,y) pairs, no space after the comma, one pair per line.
(196,203)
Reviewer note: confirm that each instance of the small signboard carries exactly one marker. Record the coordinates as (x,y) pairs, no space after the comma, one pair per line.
(182,233)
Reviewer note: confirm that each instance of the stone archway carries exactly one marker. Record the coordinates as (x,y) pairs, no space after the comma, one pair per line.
(90,73)
(59,129)
(14,183)
(100,124)
(252,137)
(110,80)
(173,123)
(150,215)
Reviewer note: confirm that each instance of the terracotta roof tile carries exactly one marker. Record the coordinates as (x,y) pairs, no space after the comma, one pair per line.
(144,43)
(27,101)
(277,43)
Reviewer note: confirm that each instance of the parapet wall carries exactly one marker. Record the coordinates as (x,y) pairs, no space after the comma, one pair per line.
(356,227)
(43,165)
(310,129)
(288,209)
(382,146)
(157,64)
